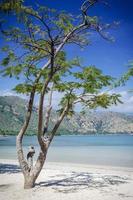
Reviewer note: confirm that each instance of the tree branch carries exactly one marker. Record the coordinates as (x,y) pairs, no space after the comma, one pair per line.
(21,158)
(40,115)
(58,122)
(41,103)
(81,98)
(48,112)
(84,8)
(37,16)
(35,46)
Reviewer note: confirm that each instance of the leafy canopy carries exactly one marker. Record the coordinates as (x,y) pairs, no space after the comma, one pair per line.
(39,34)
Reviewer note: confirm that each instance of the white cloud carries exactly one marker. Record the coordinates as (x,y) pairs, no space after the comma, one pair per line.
(12,93)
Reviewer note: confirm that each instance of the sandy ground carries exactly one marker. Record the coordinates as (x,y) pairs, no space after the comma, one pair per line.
(66,181)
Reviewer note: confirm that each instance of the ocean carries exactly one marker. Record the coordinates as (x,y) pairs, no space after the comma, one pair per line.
(109,150)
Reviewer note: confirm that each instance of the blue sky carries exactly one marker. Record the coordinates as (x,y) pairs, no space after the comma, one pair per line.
(110,57)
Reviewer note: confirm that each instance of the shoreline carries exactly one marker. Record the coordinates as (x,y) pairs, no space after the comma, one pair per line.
(63,181)
(80,134)
(73,165)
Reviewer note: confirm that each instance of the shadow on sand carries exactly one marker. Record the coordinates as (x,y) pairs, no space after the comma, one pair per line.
(9,168)
(70,182)
(77,181)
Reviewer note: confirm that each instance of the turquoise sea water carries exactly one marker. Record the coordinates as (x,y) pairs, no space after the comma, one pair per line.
(113,150)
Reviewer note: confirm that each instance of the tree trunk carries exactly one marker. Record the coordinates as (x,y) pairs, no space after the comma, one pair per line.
(29,182)
(31,174)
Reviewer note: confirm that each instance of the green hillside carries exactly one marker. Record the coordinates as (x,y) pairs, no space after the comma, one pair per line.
(13,109)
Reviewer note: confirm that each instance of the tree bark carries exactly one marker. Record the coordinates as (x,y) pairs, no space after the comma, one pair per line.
(29,182)
(31,176)
(23,163)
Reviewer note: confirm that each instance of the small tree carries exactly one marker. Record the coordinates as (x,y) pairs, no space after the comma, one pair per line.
(41,37)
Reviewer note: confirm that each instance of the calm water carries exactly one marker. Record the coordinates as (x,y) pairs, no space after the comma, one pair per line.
(96,150)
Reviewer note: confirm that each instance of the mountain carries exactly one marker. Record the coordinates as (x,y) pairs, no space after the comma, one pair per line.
(12,114)
(13,108)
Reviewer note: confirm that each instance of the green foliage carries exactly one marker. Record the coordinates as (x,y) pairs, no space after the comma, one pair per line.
(10,57)
(10,5)
(90,79)
(26,88)
(64,22)
(12,71)
(5,61)
(23,88)
(129,74)
(85,88)
(104,100)
(67,86)
(5,48)
(42,31)
(92,20)
(68,99)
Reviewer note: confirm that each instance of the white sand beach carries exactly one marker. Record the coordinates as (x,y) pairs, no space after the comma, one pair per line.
(66,181)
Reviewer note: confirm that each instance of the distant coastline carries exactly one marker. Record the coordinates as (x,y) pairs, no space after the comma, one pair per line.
(78,134)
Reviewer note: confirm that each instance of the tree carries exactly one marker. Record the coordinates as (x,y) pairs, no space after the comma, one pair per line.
(42,36)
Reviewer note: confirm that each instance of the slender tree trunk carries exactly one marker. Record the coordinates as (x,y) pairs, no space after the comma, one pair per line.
(31,174)
(29,182)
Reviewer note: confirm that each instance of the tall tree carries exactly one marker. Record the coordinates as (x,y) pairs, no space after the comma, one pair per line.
(42,66)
